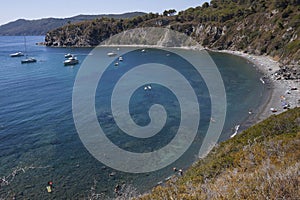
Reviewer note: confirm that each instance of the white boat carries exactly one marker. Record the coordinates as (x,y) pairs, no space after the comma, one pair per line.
(111,54)
(71,61)
(68,55)
(147,87)
(18,54)
(120,58)
(28,60)
(116,64)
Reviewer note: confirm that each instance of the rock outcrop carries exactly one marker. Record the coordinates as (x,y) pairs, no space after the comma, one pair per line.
(250,26)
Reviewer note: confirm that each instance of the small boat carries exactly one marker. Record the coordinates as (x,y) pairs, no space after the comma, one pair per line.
(143,50)
(71,61)
(111,54)
(147,87)
(116,64)
(18,54)
(212,120)
(28,60)
(120,58)
(68,55)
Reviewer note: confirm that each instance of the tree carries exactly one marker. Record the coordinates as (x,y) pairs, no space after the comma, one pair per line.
(205,5)
(166,13)
(214,3)
(170,12)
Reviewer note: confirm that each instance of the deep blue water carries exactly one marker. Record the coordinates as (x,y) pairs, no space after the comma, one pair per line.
(37,130)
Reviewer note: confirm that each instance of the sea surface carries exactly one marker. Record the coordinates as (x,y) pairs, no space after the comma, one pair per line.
(38,137)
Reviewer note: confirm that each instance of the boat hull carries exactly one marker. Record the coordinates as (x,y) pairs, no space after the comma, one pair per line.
(28,61)
(16,55)
(71,63)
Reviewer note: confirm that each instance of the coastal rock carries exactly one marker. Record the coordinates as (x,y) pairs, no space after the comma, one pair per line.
(289,72)
(248,26)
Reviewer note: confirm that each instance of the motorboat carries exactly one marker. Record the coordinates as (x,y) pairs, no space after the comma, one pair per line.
(28,60)
(111,54)
(120,58)
(18,54)
(71,61)
(68,55)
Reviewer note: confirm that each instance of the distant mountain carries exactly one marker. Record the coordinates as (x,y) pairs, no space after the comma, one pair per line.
(42,26)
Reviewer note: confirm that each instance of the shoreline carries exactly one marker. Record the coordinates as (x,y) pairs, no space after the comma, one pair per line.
(279,92)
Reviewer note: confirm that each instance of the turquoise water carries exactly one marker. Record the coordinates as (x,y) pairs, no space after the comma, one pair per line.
(37,131)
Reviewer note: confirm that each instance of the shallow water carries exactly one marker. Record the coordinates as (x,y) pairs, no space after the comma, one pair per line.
(37,131)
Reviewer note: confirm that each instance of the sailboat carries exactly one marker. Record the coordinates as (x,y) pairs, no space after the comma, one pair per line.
(28,59)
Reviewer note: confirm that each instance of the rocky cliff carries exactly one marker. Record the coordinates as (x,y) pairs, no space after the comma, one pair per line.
(257,27)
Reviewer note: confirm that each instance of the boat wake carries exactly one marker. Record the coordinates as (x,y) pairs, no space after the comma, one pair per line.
(236,129)
(6,180)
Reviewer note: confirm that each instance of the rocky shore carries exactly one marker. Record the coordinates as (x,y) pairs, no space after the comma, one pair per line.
(284,84)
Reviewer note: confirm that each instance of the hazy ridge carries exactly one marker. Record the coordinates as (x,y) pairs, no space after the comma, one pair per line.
(42,26)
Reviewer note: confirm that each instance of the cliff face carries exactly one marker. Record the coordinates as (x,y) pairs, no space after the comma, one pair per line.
(255,34)
(258,27)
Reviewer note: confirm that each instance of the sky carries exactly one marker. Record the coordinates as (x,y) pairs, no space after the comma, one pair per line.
(36,9)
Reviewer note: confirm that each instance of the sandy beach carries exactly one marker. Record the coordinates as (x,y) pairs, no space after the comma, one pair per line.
(282,92)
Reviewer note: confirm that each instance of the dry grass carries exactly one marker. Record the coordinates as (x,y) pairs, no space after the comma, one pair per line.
(261,163)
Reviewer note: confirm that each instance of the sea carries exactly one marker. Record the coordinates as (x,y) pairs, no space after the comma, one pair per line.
(39,141)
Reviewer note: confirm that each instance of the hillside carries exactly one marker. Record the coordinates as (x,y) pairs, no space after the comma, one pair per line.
(263,162)
(42,26)
(255,26)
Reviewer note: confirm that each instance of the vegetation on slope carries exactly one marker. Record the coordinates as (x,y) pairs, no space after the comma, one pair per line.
(261,163)
(269,27)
